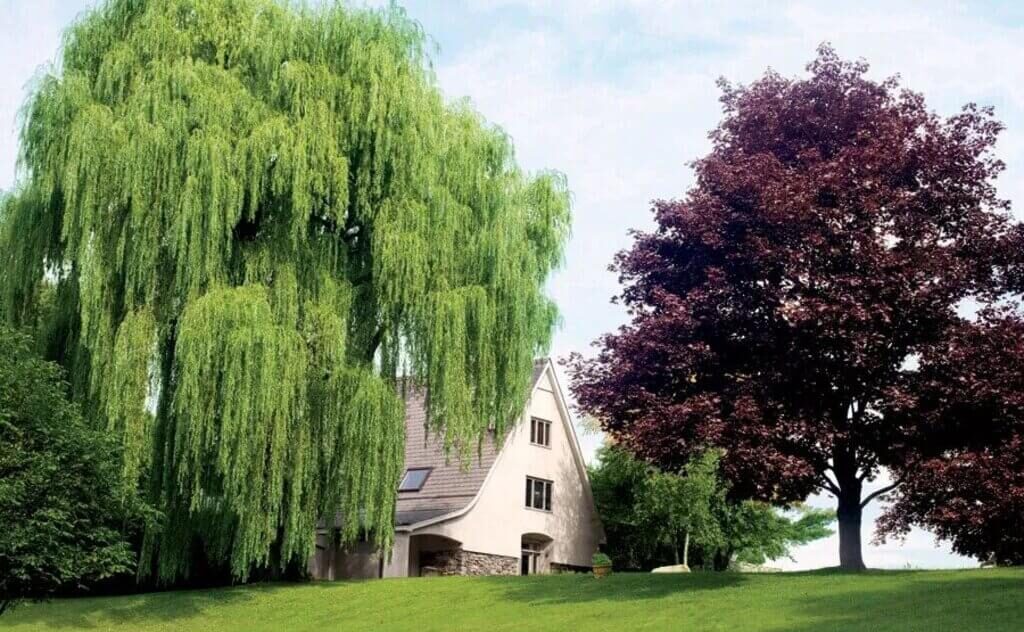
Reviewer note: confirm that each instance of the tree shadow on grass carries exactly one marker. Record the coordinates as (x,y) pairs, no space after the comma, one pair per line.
(581,588)
(85,613)
(989,601)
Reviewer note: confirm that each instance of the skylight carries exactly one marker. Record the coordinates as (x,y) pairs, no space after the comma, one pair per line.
(414,479)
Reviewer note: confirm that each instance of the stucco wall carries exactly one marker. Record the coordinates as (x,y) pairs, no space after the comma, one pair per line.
(500,518)
(396,563)
(358,561)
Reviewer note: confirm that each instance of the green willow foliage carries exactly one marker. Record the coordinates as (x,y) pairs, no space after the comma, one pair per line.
(253,218)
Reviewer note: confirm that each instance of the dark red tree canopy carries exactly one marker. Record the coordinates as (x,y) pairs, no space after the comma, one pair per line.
(963,471)
(833,233)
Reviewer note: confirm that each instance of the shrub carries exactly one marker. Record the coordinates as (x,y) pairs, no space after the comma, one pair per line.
(62,505)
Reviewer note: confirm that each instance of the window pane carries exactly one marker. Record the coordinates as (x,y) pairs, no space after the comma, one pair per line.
(538,493)
(540,431)
(414,480)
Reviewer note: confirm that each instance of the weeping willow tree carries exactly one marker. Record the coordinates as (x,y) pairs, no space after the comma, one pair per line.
(247,220)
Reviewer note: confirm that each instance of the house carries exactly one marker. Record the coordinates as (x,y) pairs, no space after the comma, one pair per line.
(522,507)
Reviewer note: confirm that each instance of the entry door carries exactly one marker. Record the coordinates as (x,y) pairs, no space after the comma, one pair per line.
(528,562)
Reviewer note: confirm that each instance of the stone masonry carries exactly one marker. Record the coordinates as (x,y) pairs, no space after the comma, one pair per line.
(460,562)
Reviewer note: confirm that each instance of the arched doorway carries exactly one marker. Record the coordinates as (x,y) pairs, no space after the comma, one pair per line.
(535,554)
(431,554)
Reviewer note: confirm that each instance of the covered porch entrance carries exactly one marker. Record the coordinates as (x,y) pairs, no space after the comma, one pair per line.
(434,555)
(534,558)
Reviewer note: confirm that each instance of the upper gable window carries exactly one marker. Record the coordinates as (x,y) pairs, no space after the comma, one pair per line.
(540,432)
(414,479)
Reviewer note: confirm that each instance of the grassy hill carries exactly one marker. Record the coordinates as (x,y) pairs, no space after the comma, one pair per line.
(989,600)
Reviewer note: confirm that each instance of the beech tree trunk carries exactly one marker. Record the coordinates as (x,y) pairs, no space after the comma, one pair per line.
(849,517)
(849,511)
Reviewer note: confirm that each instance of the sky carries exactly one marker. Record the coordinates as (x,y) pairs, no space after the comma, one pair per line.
(620,94)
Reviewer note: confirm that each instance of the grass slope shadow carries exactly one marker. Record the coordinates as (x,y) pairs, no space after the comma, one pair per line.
(136,611)
(565,589)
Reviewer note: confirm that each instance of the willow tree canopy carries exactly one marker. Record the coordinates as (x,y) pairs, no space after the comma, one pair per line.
(246,221)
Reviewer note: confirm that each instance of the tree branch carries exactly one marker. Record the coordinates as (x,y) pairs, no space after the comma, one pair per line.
(878,492)
(830,485)
(378,337)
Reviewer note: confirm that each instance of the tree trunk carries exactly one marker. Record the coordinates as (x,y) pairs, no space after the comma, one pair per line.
(848,515)
(686,551)
(722,559)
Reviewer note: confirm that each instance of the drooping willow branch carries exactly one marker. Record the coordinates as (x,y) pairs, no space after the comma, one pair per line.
(267,216)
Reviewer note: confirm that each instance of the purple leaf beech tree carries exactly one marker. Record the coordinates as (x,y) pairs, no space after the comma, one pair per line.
(833,232)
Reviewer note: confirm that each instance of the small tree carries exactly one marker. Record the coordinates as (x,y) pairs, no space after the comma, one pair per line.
(647,516)
(674,509)
(754,532)
(617,479)
(62,512)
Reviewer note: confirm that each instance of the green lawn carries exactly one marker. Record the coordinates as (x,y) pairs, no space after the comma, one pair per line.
(989,600)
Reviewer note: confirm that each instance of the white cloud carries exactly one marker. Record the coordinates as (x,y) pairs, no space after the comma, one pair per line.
(26,28)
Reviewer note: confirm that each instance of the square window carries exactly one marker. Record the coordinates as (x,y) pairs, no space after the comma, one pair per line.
(540,432)
(414,479)
(538,493)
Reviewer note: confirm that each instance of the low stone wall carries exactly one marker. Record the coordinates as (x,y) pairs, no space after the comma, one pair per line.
(460,562)
(486,564)
(441,563)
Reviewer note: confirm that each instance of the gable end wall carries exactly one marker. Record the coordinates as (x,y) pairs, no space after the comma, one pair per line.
(497,522)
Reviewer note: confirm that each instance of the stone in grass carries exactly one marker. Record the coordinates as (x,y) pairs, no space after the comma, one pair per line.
(676,568)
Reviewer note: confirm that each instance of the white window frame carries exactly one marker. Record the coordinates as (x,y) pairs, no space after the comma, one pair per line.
(540,432)
(546,493)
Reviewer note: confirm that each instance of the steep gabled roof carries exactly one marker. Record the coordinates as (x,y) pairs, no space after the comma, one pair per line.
(449,487)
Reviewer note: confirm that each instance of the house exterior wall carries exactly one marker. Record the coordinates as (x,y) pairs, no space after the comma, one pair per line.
(488,537)
(362,561)
(397,564)
(358,561)
(500,518)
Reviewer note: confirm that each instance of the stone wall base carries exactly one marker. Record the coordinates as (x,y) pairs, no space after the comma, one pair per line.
(461,562)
